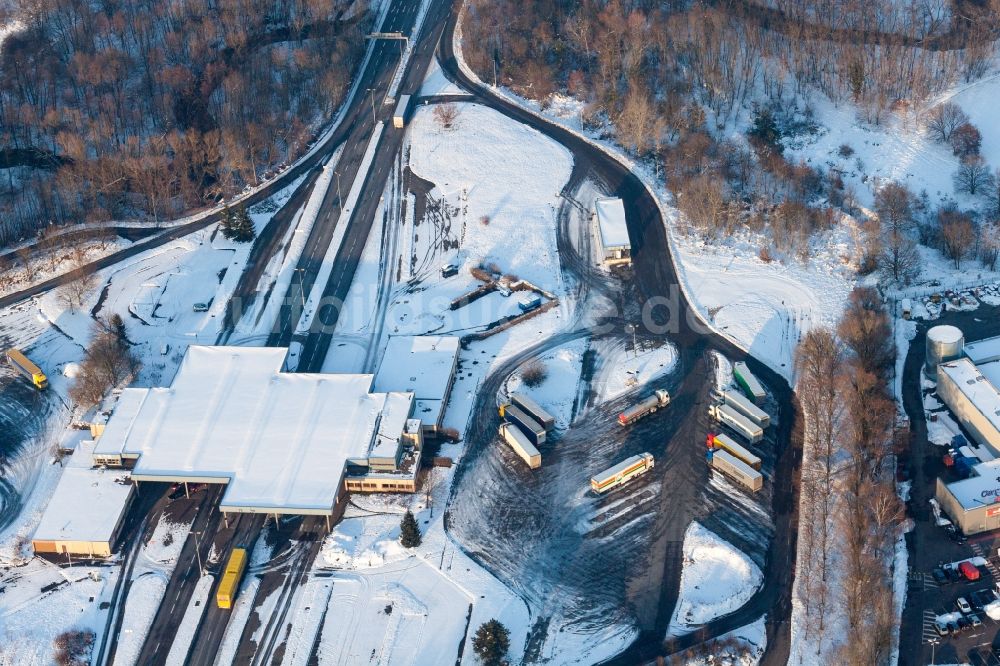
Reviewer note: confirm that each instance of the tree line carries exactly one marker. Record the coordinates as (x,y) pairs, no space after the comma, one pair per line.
(114,109)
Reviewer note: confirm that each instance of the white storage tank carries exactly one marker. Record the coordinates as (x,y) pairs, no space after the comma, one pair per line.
(944,343)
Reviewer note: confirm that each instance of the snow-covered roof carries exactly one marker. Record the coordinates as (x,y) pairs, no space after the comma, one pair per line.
(611,220)
(983,488)
(87,504)
(983,351)
(72,438)
(945,334)
(991,371)
(395,414)
(112,440)
(280,440)
(423,365)
(977,388)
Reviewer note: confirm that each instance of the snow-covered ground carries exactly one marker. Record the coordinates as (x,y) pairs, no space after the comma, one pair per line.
(143,599)
(621,369)
(716,579)
(558,393)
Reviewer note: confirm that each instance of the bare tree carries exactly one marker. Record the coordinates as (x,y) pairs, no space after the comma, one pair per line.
(944,119)
(958,235)
(973,176)
(76,292)
(445,115)
(107,363)
(989,244)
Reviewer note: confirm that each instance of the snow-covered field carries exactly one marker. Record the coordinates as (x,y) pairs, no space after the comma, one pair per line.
(716,579)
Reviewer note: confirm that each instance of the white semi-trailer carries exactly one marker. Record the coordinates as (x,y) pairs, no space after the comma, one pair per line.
(622,473)
(743,405)
(529,426)
(741,424)
(534,410)
(747,382)
(522,445)
(399,115)
(736,469)
(660,398)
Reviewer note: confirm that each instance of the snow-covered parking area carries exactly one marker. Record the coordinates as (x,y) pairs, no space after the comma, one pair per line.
(717,579)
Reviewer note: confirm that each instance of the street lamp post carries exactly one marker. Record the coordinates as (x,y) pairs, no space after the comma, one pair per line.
(372,92)
(340,197)
(197,551)
(302,286)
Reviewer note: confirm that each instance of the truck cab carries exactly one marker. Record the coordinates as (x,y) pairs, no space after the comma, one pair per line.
(40,380)
(663,397)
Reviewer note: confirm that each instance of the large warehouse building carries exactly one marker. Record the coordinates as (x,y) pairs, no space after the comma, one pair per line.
(974,503)
(973,399)
(281,442)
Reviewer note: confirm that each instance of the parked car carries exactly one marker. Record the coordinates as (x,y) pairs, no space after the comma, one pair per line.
(980,598)
(954,575)
(941,628)
(963,623)
(940,577)
(969,570)
(975,621)
(953,626)
(963,605)
(957,537)
(448,270)
(200,307)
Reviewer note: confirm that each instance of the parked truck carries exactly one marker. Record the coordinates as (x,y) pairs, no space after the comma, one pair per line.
(522,445)
(742,404)
(747,382)
(622,473)
(660,398)
(230,583)
(532,429)
(534,410)
(399,115)
(725,414)
(737,470)
(734,448)
(32,372)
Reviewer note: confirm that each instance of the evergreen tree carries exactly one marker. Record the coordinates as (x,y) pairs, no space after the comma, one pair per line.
(228,223)
(117,328)
(409,532)
(243,231)
(491,642)
(765,131)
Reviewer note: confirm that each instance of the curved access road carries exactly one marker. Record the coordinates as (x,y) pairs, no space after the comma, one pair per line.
(656,278)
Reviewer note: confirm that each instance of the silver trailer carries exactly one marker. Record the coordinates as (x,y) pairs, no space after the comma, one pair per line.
(734,448)
(399,115)
(534,410)
(529,426)
(660,398)
(741,424)
(737,470)
(743,405)
(747,382)
(521,445)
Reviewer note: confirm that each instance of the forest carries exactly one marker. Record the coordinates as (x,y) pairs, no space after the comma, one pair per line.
(145,109)
(667,80)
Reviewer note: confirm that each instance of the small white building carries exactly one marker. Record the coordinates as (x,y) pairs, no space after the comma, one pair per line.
(616,247)
(424,365)
(87,509)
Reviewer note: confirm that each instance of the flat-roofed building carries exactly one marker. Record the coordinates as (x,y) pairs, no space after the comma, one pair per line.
(616,247)
(973,399)
(424,365)
(973,504)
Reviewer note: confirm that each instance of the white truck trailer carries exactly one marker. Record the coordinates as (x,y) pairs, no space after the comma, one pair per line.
(660,398)
(725,414)
(399,115)
(731,446)
(622,473)
(743,405)
(736,469)
(522,445)
(534,410)
(747,382)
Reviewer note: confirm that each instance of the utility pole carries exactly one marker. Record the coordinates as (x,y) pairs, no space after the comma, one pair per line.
(302,286)
(340,197)
(197,551)
(374,119)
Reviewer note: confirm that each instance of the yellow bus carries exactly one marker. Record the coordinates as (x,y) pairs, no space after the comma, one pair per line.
(31,371)
(230,583)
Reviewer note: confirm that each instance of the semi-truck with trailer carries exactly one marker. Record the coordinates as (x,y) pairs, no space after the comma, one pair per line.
(230,583)
(660,398)
(723,413)
(529,426)
(742,404)
(731,446)
(25,367)
(737,470)
(521,444)
(534,410)
(622,473)
(747,382)
(399,115)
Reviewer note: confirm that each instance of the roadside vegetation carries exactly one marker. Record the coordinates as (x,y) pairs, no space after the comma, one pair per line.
(852,516)
(149,109)
(109,362)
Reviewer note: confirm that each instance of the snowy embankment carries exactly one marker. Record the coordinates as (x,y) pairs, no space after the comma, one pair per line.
(717,579)
(143,599)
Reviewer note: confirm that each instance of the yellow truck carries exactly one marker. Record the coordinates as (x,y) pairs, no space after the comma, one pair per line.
(230,583)
(31,371)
